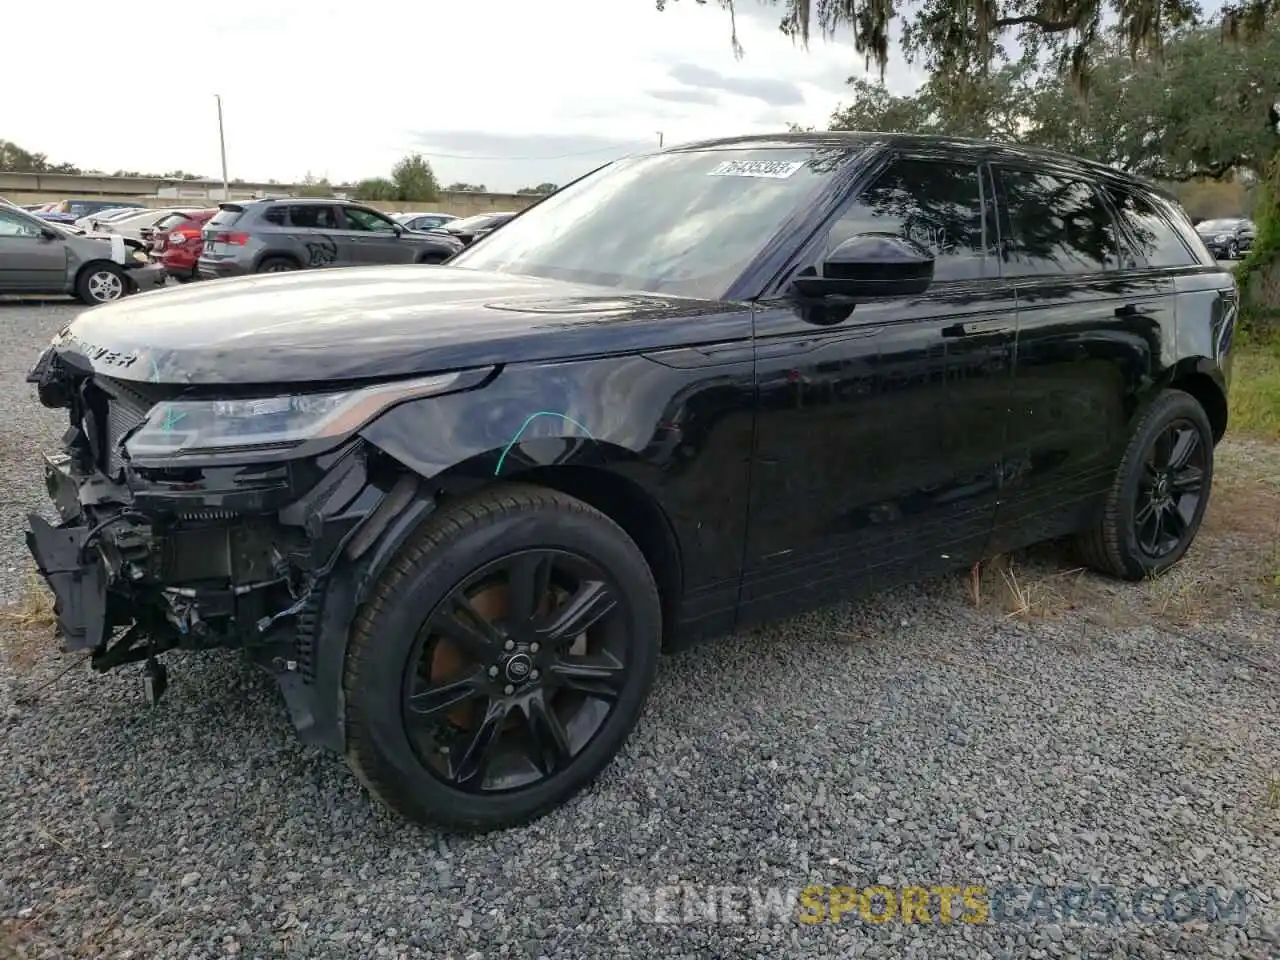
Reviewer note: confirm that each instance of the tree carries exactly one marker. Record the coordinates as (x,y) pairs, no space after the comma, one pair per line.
(461,187)
(376,188)
(966,38)
(414,179)
(15,159)
(315,187)
(541,189)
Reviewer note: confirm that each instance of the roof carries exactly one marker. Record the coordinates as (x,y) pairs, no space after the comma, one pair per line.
(918,141)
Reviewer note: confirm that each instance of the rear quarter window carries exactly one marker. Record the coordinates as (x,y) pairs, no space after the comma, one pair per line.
(1151,231)
(225,218)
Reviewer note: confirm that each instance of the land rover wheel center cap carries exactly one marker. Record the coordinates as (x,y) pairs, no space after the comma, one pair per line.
(518,668)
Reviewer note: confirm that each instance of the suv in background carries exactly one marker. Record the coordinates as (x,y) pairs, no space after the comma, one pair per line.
(1227,238)
(272,236)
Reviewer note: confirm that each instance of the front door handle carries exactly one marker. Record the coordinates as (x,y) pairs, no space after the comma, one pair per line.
(972,328)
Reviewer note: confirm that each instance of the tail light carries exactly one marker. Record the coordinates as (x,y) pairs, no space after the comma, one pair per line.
(178,237)
(237,239)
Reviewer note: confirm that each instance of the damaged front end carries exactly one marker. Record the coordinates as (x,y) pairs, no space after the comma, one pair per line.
(193,548)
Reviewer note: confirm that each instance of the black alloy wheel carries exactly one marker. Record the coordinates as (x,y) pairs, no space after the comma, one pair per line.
(1160,492)
(502,659)
(1168,494)
(516,670)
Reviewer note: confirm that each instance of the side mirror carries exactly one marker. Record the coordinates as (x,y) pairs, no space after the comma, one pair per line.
(871,265)
(398,229)
(47,234)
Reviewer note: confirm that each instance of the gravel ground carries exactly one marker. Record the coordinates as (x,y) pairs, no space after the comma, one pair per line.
(1121,735)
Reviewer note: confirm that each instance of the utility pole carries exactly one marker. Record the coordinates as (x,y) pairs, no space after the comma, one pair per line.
(659,139)
(222,145)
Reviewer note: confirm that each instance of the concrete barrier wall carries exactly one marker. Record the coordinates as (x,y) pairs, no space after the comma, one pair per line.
(23,188)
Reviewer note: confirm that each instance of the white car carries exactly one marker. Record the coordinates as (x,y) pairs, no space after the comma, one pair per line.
(105,216)
(133,225)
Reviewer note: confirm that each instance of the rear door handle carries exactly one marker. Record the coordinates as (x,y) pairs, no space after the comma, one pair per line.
(971,328)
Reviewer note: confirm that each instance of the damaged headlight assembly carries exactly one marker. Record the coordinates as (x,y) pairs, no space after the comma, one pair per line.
(179,427)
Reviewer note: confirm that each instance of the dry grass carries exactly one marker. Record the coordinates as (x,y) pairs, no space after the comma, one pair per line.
(1235,562)
(27,627)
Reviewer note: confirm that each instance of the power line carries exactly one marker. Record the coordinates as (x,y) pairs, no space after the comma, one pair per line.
(559,156)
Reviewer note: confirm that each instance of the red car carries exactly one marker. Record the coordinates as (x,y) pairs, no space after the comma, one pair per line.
(177,242)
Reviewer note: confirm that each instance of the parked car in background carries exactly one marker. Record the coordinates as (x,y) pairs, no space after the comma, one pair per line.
(272,236)
(1228,238)
(423,221)
(177,242)
(89,221)
(470,229)
(140,224)
(69,211)
(37,256)
(459,511)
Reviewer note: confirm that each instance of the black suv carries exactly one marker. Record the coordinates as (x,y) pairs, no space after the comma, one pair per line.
(1228,238)
(274,236)
(458,511)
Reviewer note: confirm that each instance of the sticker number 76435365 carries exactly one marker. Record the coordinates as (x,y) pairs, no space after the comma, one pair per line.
(769,169)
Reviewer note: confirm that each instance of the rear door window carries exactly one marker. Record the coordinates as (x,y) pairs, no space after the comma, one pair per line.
(1057,225)
(313,216)
(276,216)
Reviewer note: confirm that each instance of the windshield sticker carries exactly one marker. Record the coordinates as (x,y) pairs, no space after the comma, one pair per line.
(769,169)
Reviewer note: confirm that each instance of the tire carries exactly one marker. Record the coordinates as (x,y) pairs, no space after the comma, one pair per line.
(101,282)
(1169,460)
(433,258)
(276,265)
(396,665)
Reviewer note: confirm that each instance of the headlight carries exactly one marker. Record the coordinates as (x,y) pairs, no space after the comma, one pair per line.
(1221,238)
(197,426)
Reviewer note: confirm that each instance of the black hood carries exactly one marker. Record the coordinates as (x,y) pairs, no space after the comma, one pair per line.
(369,322)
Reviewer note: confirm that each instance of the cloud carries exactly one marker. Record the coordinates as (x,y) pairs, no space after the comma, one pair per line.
(776,93)
(685,95)
(557,107)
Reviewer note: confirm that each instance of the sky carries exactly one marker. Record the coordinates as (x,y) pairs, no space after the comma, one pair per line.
(507,93)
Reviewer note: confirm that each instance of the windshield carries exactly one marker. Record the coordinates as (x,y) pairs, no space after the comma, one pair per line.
(1217,225)
(685,223)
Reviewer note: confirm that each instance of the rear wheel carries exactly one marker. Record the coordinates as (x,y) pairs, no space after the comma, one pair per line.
(101,283)
(1233,250)
(433,258)
(276,265)
(1160,492)
(502,660)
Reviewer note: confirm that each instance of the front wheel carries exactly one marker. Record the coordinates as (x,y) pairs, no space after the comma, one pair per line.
(502,660)
(1233,251)
(101,283)
(1159,494)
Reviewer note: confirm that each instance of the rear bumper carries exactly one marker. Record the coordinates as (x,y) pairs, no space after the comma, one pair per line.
(218,269)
